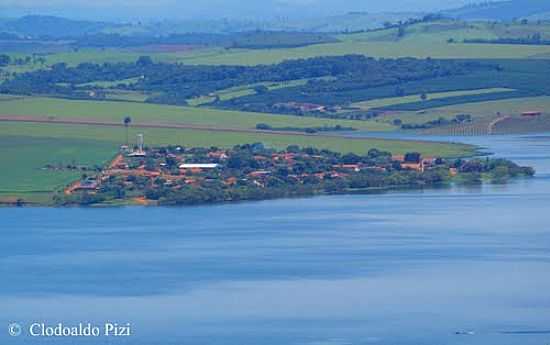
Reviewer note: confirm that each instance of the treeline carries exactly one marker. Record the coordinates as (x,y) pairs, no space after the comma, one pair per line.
(252,40)
(309,130)
(535,39)
(4,60)
(441,121)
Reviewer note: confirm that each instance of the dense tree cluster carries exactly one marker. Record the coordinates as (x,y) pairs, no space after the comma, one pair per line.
(441,121)
(4,60)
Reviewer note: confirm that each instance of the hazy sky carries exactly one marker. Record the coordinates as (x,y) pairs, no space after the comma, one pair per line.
(111,9)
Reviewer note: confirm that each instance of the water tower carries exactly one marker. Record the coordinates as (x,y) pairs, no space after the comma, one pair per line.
(139,152)
(140,143)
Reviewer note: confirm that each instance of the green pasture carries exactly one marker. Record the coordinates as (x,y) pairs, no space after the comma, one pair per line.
(110,84)
(443,30)
(479,110)
(115,55)
(378,49)
(24,157)
(383,102)
(125,95)
(141,112)
(514,106)
(245,90)
(115,136)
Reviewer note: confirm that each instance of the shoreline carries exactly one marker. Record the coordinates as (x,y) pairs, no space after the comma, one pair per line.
(349,192)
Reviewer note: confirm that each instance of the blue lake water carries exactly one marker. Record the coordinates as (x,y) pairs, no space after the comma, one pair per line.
(412,267)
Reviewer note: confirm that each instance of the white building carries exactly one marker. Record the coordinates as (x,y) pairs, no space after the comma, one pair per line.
(199,166)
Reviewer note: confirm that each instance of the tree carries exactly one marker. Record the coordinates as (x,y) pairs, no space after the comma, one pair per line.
(261,89)
(412,157)
(399,91)
(263,126)
(149,164)
(127,122)
(4,60)
(144,61)
(401,31)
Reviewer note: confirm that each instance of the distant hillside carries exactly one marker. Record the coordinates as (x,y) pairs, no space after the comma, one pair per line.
(38,26)
(57,27)
(503,10)
(352,21)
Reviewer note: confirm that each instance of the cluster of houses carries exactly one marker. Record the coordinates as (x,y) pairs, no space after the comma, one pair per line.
(418,163)
(177,166)
(301,107)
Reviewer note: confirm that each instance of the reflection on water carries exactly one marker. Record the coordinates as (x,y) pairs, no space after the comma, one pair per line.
(455,266)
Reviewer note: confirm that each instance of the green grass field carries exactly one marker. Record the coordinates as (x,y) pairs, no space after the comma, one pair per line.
(421,40)
(115,136)
(405,48)
(383,102)
(24,157)
(244,90)
(141,112)
(506,107)
(480,111)
(381,49)
(110,84)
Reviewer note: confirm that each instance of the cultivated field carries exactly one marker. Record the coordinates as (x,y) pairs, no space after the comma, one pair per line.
(383,102)
(24,158)
(479,110)
(244,90)
(140,112)
(115,136)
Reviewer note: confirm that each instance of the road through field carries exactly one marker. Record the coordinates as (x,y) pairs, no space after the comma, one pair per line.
(95,122)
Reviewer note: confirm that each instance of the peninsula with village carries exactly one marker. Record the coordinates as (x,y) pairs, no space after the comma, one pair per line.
(176,175)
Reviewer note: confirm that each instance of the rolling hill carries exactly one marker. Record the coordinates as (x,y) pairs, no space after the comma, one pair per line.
(503,10)
(38,26)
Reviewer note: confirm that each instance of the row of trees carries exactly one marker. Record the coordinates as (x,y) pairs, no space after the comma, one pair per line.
(6,60)
(535,39)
